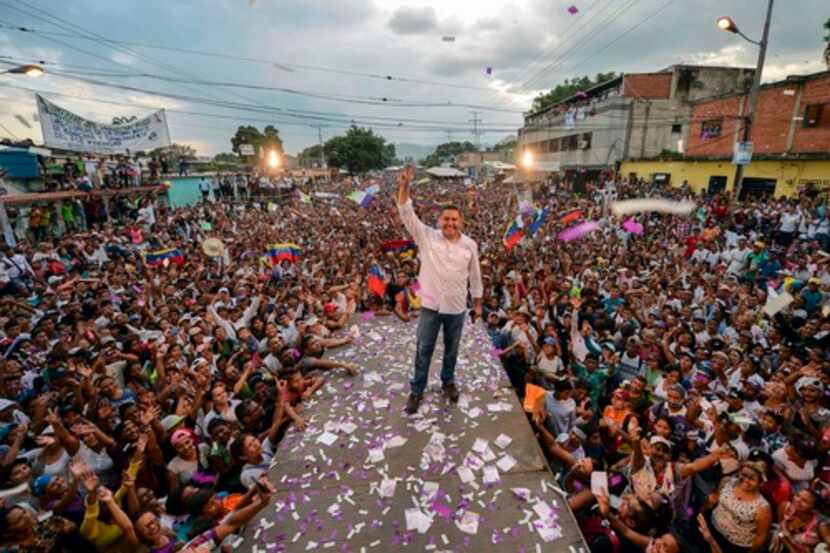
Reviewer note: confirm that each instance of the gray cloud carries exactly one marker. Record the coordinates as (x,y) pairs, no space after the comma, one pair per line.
(413,21)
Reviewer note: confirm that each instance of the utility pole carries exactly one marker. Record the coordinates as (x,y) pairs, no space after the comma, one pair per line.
(322,153)
(449,136)
(753,95)
(477,132)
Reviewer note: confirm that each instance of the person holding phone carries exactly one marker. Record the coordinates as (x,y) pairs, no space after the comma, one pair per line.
(449,263)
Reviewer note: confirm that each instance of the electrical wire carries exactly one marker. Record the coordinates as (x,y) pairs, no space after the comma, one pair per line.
(278,64)
(364,100)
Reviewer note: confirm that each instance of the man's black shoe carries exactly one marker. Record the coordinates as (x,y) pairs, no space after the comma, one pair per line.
(451,391)
(412,404)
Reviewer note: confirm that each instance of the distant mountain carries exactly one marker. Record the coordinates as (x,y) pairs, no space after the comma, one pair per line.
(414,151)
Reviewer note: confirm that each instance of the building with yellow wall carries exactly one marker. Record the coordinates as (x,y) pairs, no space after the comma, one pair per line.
(782,178)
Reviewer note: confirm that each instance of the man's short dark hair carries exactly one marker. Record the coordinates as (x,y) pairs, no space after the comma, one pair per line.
(452,207)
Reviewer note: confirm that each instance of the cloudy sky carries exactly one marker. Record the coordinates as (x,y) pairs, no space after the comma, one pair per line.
(413,70)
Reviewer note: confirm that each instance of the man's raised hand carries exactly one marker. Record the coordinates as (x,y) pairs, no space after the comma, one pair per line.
(404,181)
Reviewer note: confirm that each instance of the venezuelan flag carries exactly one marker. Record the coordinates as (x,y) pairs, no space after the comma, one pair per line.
(539,218)
(172,255)
(284,251)
(376,282)
(404,248)
(514,233)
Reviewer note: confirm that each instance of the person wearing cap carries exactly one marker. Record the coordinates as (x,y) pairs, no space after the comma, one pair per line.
(652,470)
(813,297)
(449,262)
(549,361)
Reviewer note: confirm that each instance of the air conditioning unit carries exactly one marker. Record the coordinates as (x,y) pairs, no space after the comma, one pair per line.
(583,145)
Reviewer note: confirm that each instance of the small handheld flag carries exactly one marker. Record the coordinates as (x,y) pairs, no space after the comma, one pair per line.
(285,251)
(514,233)
(539,218)
(404,248)
(172,255)
(376,281)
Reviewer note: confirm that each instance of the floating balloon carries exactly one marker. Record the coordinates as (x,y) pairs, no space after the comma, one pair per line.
(573,10)
(578,231)
(633,226)
(489,71)
(626,207)
(571,217)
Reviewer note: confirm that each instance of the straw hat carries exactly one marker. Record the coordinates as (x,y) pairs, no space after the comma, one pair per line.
(213,247)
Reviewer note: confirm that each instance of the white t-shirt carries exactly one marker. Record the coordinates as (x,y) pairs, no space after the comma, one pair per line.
(183,469)
(251,473)
(549,367)
(789,222)
(98,462)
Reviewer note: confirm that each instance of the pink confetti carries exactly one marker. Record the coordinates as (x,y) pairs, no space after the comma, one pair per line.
(442,510)
(573,10)
(633,226)
(368,316)
(416,286)
(578,231)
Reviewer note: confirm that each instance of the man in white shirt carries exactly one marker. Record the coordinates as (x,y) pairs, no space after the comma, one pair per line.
(789,222)
(449,262)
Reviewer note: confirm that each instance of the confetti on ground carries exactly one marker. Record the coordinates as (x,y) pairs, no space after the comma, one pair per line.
(365,476)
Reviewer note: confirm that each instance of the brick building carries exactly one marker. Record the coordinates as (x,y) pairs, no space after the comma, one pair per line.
(790,134)
(637,115)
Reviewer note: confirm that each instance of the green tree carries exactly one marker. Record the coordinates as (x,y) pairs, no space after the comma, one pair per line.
(569,88)
(827,27)
(359,151)
(268,139)
(446,153)
(175,151)
(509,145)
(310,157)
(226,158)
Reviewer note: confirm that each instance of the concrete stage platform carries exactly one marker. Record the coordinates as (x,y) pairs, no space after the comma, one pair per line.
(365,477)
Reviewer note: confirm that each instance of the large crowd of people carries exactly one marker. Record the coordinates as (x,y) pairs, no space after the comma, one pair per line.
(152,361)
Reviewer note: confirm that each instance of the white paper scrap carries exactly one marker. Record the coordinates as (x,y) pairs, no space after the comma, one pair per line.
(506,463)
(327,438)
(466,474)
(395,441)
(387,487)
(417,520)
(491,474)
(376,455)
(503,441)
(468,523)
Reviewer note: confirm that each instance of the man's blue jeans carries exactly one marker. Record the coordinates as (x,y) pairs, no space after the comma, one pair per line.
(429,323)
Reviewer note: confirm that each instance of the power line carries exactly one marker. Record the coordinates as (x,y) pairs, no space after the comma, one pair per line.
(600,25)
(285,112)
(443,130)
(364,100)
(271,62)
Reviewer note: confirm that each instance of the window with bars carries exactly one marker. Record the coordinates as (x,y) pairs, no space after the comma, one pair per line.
(711,128)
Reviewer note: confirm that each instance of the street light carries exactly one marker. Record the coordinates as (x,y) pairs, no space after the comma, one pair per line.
(29,70)
(727,24)
(527,160)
